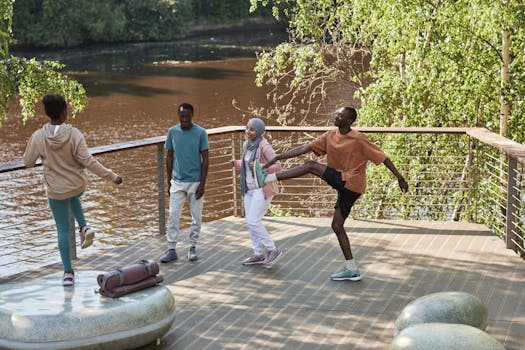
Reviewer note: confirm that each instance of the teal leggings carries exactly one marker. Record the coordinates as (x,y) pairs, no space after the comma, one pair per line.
(61,211)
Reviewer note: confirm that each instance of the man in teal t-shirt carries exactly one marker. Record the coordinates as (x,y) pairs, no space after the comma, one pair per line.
(187,162)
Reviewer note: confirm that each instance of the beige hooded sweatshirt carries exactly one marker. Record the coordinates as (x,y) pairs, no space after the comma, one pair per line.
(64,158)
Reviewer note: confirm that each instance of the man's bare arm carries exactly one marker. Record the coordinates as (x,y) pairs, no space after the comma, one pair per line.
(401,180)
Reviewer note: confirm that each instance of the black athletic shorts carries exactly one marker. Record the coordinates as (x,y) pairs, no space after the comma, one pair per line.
(345,197)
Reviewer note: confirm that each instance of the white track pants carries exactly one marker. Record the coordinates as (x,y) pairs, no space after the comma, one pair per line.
(256,207)
(179,193)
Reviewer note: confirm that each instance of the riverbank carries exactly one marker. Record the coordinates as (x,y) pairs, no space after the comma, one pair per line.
(248,25)
(198,33)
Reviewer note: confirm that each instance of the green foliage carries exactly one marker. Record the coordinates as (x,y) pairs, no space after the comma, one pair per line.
(148,20)
(6,8)
(66,23)
(278,211)
(217,11)
(29,80)
(431,63)
(418,63)
(57,23)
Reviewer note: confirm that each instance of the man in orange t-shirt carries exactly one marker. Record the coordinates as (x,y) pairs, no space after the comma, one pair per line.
(347,153)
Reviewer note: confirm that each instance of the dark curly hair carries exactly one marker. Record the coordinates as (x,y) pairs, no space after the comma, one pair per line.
(54,104)
(186,106)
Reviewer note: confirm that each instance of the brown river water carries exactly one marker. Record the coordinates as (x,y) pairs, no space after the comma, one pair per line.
(134,90)
(133,93)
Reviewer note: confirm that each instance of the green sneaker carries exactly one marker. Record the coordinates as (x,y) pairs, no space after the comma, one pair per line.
(346,275)
(260,174)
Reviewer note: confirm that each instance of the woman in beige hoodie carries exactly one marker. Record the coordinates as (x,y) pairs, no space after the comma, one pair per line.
(64,154)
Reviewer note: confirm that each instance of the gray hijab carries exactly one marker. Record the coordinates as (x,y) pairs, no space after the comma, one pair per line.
(251,145)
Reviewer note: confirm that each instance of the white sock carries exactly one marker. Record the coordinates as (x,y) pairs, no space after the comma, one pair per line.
(270,178)
(351,265)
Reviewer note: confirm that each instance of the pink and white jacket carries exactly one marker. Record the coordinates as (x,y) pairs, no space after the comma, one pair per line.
(264,153)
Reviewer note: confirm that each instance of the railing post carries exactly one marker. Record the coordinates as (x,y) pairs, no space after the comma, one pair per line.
(234,177)
(512,195)
(160,175)
(72,236)
(475,181)
(469,180)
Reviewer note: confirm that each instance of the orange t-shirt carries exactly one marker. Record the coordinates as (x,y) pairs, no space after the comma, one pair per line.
(348,154)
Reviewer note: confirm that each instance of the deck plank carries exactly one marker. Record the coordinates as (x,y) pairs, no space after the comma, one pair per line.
(223,305)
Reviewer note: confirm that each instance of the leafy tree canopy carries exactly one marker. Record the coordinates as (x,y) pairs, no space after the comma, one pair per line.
(410,63)
(28,79)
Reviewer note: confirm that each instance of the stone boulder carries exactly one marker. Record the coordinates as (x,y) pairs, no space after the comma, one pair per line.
(42,314)
(444,307)
(444,336)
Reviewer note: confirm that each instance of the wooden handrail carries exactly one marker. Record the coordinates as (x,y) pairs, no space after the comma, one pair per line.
(509,147)
(506,146)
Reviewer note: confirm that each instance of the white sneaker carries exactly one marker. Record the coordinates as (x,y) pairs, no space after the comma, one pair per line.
(68,279)
(86,236)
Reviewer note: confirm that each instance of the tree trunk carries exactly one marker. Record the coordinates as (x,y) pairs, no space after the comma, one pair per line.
(505,108)
(460,195)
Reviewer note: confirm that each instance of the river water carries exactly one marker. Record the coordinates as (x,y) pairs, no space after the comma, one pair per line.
(133,93)
(134,89)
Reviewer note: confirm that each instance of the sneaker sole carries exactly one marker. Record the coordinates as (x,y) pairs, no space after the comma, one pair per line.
(355,279)
(253,263)
(88,240)
(68,282)
(164,261)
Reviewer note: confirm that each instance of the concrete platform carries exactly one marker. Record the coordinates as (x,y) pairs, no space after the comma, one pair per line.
(42,314)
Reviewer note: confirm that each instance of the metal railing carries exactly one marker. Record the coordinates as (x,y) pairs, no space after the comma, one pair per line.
(454,174)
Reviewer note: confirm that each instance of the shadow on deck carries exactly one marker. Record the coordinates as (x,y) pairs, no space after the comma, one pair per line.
(223,305)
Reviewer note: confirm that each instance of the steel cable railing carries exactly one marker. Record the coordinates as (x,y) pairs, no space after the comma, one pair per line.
(452,176)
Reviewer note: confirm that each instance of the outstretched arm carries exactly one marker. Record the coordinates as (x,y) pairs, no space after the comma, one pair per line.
(294,152)
(402,182)
(84,157)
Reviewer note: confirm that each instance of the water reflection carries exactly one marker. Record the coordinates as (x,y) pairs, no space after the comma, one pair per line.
(133,93)
(103,84)
(129,57)
(134,89)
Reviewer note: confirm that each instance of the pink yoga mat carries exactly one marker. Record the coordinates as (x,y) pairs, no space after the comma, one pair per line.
(128,274)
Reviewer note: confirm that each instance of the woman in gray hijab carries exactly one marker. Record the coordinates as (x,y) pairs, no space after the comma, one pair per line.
(257,200)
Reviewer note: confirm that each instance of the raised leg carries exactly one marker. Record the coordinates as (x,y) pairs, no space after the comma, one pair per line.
(308,167)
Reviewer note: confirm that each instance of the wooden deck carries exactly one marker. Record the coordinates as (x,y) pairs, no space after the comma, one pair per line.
(223,305)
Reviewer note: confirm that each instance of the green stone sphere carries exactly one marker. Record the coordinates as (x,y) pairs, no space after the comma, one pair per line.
(444,336)
(444,307)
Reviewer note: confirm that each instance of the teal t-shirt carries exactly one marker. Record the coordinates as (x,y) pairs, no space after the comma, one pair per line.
(187,146)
